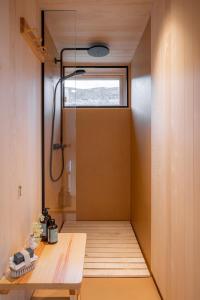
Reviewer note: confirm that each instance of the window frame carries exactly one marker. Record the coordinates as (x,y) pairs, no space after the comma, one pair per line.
(103,106)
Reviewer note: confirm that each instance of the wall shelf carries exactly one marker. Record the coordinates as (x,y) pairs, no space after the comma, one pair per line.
(33,40)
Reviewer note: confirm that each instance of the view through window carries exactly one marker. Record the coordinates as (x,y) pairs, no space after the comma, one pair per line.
(100,87)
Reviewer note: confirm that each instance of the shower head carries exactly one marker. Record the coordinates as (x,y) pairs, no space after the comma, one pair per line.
(98,50)
(75,73)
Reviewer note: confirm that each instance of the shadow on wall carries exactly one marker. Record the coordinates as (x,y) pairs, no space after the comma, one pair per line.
(141,143)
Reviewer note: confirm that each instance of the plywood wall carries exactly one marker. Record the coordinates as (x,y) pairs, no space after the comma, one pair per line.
(175,148)
(141,142)
(103,164)
(20,131)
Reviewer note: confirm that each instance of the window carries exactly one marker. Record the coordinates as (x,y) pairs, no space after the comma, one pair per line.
(98,87)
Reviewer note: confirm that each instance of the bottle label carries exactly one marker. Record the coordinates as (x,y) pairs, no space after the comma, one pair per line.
(42,218)
(44,229)
(53,235)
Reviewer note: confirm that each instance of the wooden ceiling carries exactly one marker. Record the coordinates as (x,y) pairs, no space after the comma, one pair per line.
(118,23)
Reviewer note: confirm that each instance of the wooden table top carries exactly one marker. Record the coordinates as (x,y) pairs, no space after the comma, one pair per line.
(60,266)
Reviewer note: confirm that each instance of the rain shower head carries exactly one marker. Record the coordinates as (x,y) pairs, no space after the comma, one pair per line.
(98,50)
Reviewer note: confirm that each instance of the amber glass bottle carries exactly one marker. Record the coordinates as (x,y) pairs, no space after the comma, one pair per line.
(44,221)
(52,232)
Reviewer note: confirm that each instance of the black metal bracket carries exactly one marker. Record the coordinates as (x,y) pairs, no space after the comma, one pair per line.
(57,60)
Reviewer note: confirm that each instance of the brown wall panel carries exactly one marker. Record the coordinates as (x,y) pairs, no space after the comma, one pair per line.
(175,148)
(141,142)
(20,132)
(103,164)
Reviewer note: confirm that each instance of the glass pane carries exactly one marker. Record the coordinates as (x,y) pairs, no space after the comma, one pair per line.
(92,92)
(60,32)
(100,86)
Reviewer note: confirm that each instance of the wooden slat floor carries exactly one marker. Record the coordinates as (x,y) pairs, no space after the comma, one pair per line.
(112,249)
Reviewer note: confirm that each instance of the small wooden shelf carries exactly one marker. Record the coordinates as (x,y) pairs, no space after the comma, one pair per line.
(60,266)
(33,41)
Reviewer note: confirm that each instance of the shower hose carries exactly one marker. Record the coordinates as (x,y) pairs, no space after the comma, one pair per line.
(55,146)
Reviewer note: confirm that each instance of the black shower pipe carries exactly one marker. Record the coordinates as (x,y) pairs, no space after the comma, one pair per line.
(57,60)
(61,86)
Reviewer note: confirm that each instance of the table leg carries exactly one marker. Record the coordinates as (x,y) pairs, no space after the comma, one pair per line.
(73,295)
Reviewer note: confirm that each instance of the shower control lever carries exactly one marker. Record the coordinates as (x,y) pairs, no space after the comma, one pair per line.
(60,146)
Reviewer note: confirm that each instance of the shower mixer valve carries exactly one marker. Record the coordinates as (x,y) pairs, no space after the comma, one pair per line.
(60,146)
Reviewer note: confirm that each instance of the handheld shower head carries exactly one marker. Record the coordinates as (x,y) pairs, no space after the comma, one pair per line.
(75,73)
(79,72)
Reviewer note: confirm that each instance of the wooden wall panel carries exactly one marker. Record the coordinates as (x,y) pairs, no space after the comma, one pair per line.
(175,148)
(103,164)
(141,142)
(160,144)
(20,132)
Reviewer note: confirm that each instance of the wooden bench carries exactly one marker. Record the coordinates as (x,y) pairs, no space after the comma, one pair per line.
(59,267)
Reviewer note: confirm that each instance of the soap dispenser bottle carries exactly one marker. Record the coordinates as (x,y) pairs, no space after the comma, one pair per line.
(45,221)
(52,232)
